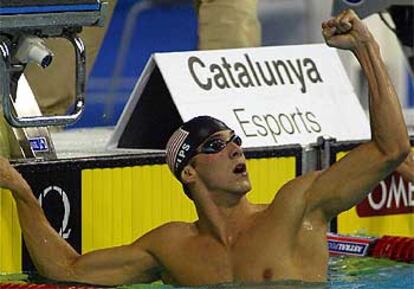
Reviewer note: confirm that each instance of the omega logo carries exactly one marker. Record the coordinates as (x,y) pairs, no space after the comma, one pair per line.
(391,196)
(394,195)
(64,231)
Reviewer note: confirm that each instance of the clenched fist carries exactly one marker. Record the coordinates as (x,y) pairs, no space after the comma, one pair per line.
(346,31)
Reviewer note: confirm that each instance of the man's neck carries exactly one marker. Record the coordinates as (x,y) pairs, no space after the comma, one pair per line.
(224,220)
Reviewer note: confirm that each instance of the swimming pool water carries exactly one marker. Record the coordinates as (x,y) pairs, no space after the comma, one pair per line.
(370,273)
(344,273)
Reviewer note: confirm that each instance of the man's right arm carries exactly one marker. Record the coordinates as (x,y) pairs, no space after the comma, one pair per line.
(54,258)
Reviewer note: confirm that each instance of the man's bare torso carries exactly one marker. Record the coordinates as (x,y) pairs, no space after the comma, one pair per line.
(276,242)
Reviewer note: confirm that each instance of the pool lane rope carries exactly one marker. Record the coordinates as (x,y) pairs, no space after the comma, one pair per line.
(40,286)
(390,247)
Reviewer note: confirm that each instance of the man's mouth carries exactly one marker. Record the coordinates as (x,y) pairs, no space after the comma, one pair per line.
(240,169)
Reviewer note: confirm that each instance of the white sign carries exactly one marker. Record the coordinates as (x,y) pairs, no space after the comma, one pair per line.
(269,95)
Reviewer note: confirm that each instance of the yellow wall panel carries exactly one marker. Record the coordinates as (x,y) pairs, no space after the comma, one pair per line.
(128,202)
(268,176)
(10,235)
(395,225)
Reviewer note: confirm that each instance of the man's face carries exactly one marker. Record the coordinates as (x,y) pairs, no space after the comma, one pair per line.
(224,170)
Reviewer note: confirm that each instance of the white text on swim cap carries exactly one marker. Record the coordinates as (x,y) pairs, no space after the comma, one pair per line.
(182,154)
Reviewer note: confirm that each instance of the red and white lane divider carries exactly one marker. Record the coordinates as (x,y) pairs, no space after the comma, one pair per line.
(390,247)
(39,286)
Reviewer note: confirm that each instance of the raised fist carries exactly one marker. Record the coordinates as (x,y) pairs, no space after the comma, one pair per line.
(346,31)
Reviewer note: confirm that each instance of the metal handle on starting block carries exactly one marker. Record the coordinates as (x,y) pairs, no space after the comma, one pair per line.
(40,121)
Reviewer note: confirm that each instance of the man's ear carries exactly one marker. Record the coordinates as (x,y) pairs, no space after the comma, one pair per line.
(188,174)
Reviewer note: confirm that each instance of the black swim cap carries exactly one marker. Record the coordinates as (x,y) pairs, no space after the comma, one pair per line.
(183,143)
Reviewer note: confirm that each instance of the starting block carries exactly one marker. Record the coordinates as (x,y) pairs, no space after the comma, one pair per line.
(23,26)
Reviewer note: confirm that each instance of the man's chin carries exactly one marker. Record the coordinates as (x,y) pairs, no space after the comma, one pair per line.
(244,188)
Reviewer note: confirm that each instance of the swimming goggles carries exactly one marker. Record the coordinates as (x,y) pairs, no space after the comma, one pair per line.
(216,145)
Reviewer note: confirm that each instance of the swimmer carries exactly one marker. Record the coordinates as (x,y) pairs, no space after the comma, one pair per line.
(234,240)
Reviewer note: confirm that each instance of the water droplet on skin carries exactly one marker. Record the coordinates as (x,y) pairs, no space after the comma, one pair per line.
(308,226)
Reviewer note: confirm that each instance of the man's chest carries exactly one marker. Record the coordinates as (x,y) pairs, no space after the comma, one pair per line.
(251,257)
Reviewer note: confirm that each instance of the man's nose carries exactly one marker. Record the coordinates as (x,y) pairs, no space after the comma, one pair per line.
(234,150)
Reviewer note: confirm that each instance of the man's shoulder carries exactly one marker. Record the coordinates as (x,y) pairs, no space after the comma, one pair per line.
(290,202)
(293,192)
(172,229)
(176,226)
(300,183)
(168,233)
(167,238)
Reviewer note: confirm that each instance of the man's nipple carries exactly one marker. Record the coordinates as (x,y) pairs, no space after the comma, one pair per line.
(267,274)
